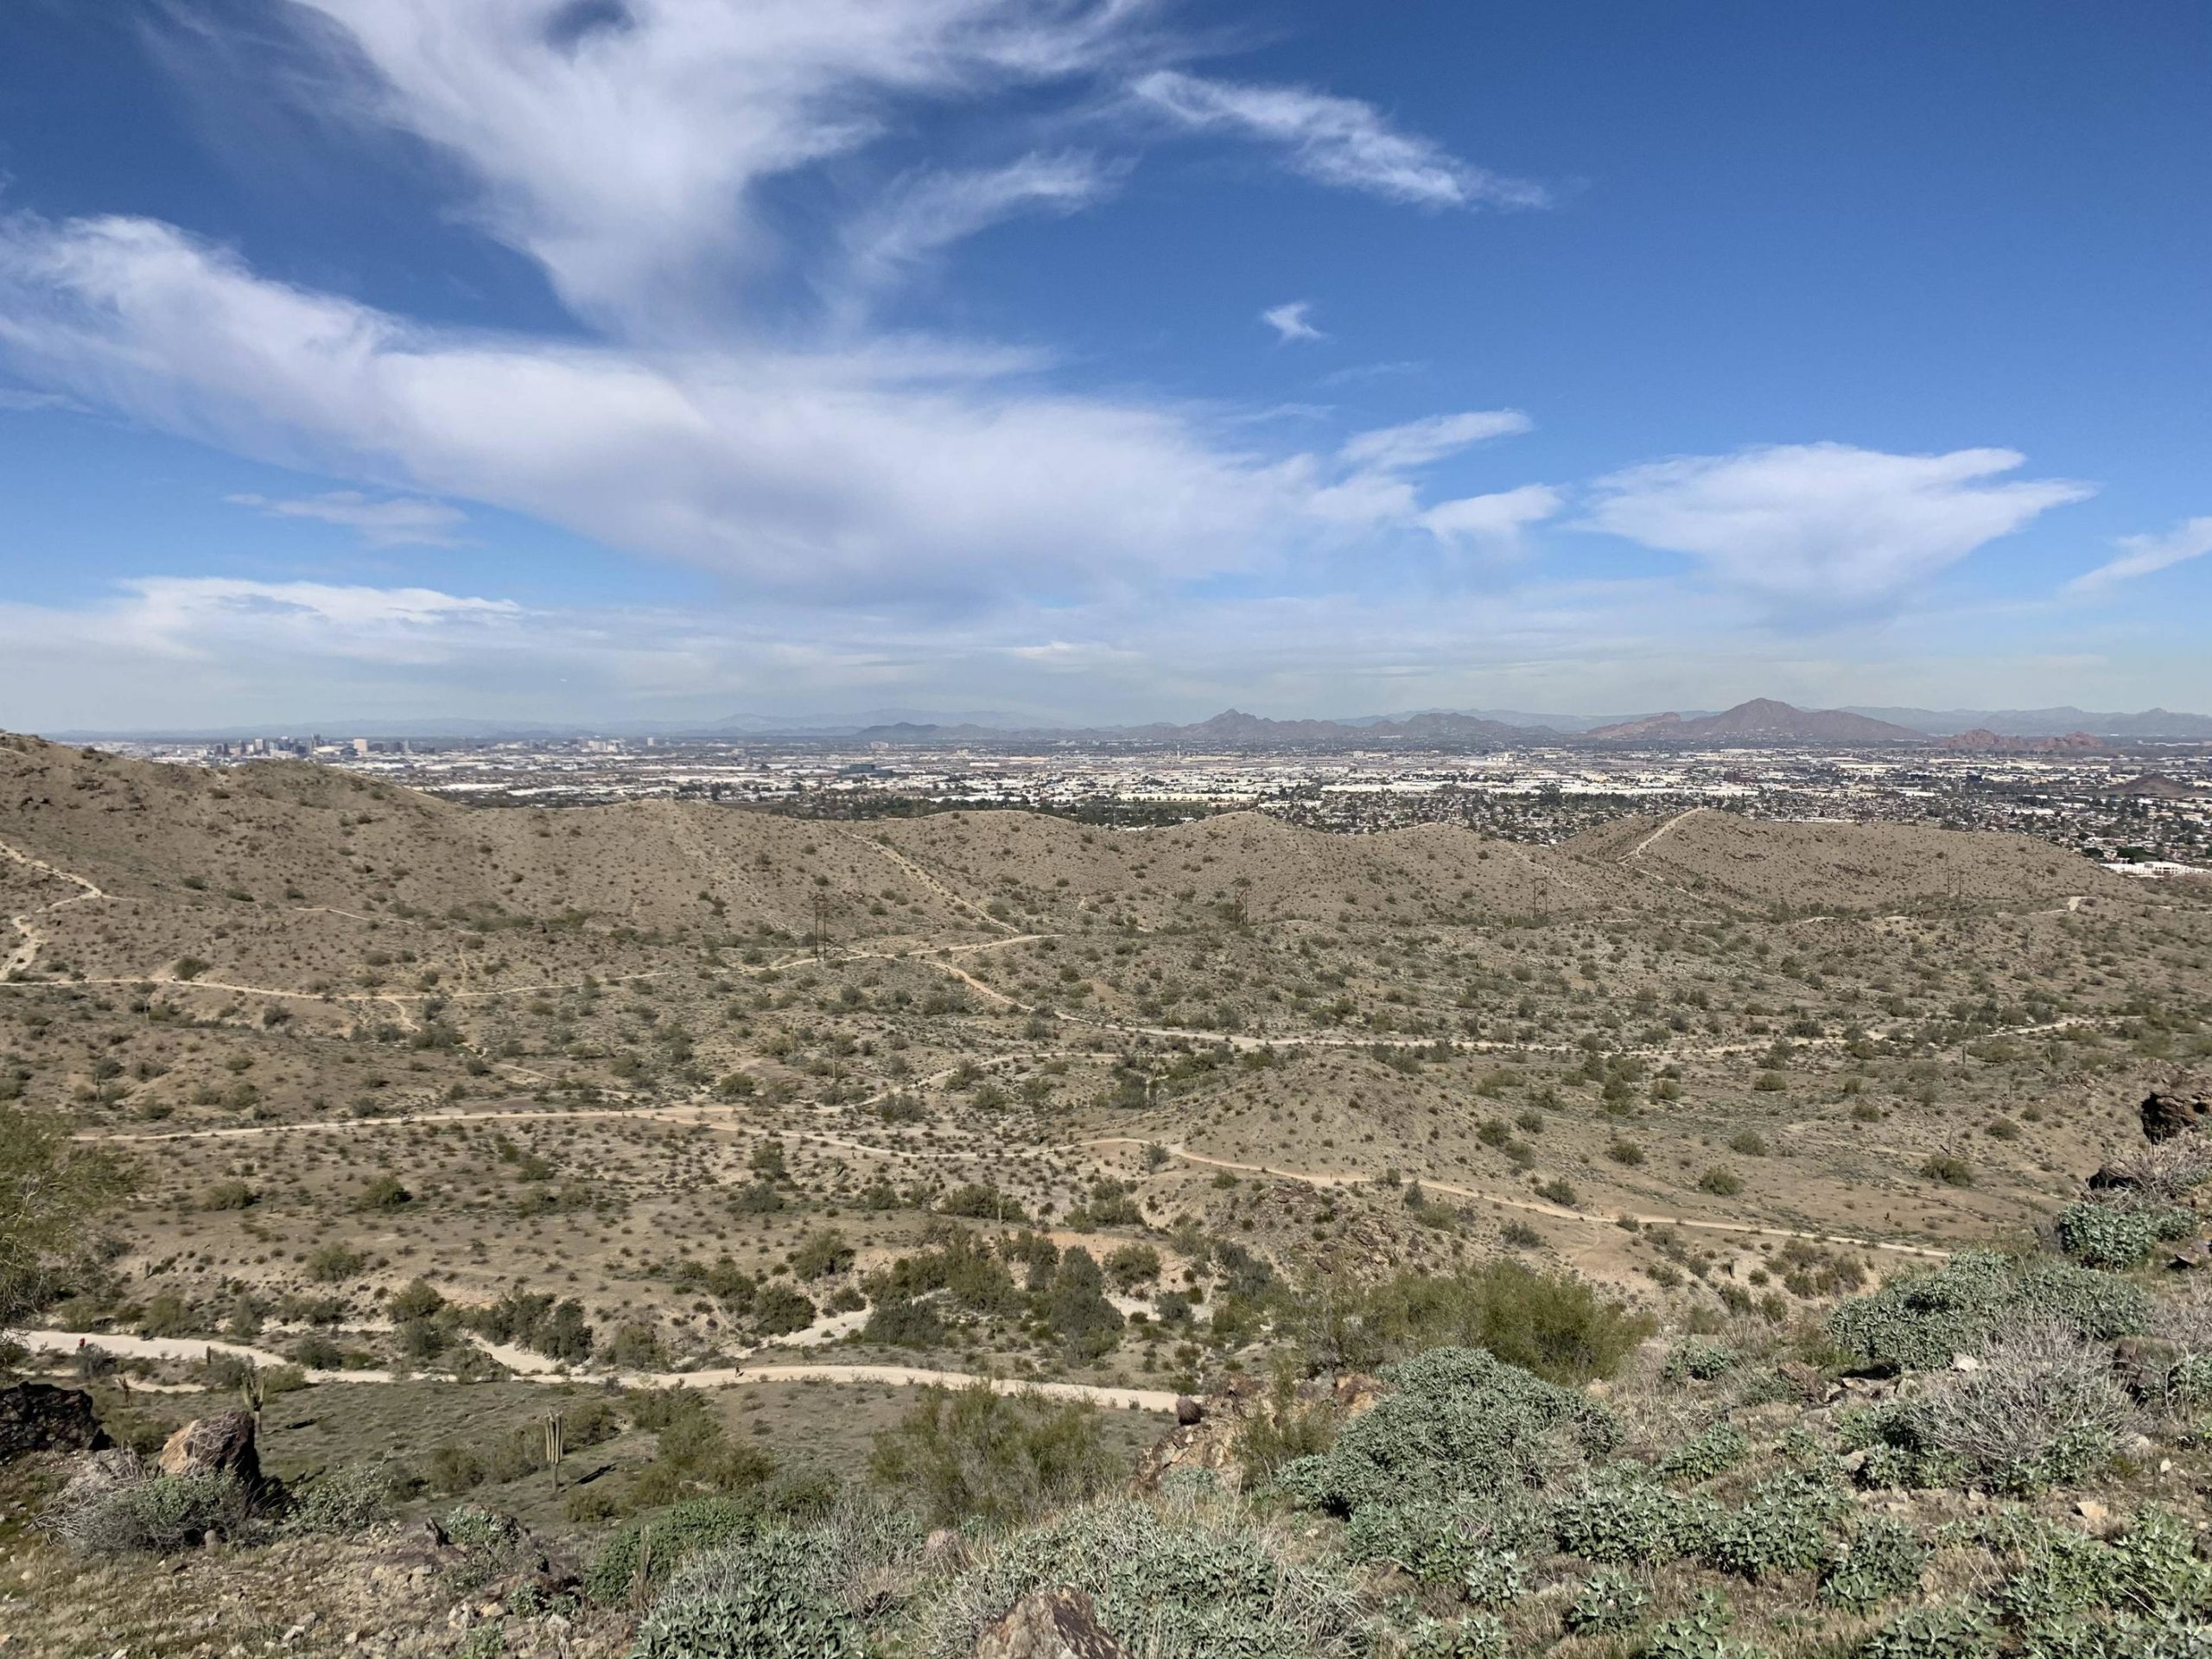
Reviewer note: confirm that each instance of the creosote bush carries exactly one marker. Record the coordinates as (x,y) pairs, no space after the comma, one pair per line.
(973,1454)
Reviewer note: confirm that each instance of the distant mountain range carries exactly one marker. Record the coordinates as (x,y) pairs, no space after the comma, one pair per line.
(2046,722)
(1761,721)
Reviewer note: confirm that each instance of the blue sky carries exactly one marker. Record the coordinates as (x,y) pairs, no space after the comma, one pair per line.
(594,360)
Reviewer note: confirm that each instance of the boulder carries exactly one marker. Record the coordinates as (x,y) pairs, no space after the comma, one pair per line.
(1189,1414)
(221,1444)
(1054,1623)
(2175,1111)
(39,1417)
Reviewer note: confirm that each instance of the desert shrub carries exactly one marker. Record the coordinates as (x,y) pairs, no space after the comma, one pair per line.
(1076,1306)
(1495,1578)
(644,1552)
(2116,1236)
(2043,1409)
(1608,1604)
(1201,1585)
(1944,1632)
(822,1254)
(1720,1181)
(1920,1323)
(1632,1521)
(350,1498)
(1695,1634)
(1478,1636)
(327,1264)
(164,1513)
(1948,1169)
(780,1311)
(974,1453)
(2152,1570)
(1714,1450)
(1701,1358)
(228,1195)
(1282,1428)
(416,1300)
(1883,1559)
(1455,1420)
(901,1322)
(980,1202)
(451,1470)
(1555,1326)
(762,1597)
(1782,1528)
(1441,1540)
(2164,1170)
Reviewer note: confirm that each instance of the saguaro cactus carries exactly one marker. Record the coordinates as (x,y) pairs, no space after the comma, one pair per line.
(556,1444)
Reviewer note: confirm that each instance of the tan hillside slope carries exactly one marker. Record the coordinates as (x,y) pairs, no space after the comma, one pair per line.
(1843,867)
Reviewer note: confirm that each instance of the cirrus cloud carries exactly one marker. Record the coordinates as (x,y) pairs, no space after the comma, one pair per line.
(1811,526)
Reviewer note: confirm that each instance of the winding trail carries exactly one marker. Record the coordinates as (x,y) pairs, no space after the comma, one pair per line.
(20,959)
(884,849)
(1558,1212)
(188,1349)
(1660,834)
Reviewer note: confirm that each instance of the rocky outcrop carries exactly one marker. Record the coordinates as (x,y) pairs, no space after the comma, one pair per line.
(39,1417)
(2175,1110)
(221,1444)
(1055,1623)
(1209,1437)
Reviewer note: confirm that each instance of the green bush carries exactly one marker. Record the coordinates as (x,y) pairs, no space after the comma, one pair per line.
(1557,1326)
(974,1453)
(1455,1420)
(900,1322)
(1608,1604)
(1441,1540)
(1932,1633)
(1883,1558)
(1918,1323)
(652,1548)
(1716,1449)
(1695,1635)
(760,1599)
(1630,1521)
(1199,1585)
(2108,1235)
(350,1498)
(1783,1527)
(1700,1358)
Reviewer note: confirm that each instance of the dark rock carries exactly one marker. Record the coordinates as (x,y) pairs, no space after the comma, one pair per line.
(39,1417)
(1188,1412)
(1054,1623)
(1808,1382)
(221,1444)
(2169,1112)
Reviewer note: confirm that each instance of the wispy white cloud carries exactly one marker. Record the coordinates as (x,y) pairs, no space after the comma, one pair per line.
(1292,322)
(1416,443)
(838,475)
(1808,527)
(1494,523)
(394,521)
(2145,555)
(1335,141)
(929,212)
(626,159)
